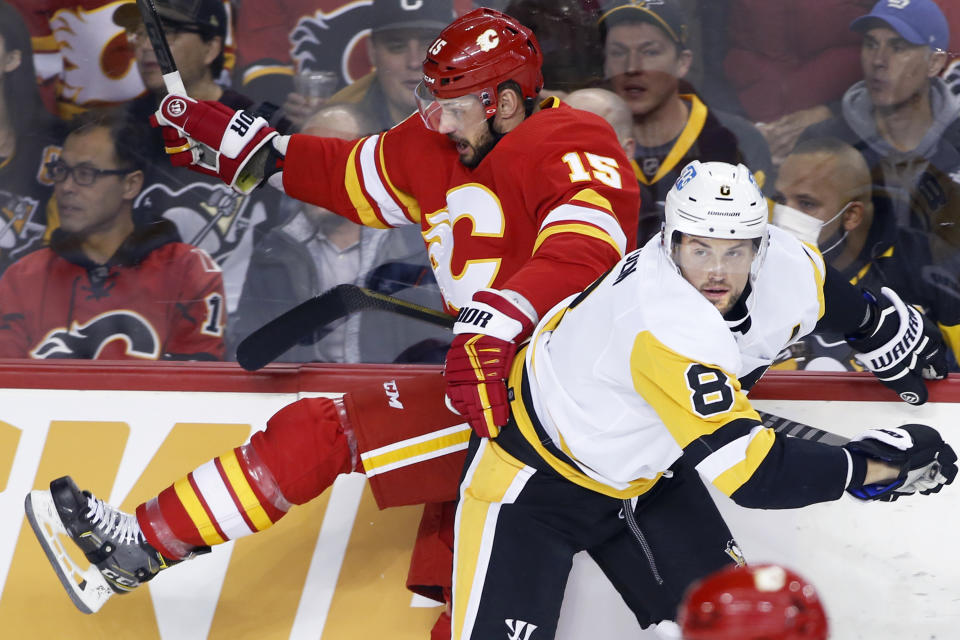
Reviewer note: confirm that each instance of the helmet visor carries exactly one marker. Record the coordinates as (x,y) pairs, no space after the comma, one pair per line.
(449,114)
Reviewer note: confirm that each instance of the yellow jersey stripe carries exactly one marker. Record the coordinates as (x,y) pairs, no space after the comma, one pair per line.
(582,229)
(198,515)
(866,268)
(737,475)
(351,182)
(819,274)
(667,391)
(248,499)
(951,335)
(590,196)
(42,44)
(493,478)
(571,473)
(691,131)
(414,450)
(264,70)
(408,201)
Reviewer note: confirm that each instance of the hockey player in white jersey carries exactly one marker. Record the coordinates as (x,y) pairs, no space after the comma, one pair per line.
(630,390)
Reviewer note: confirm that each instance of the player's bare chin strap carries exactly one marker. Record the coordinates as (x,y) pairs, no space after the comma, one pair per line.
(304,447)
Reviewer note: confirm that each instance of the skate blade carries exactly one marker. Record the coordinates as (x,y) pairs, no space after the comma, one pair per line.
(87,588)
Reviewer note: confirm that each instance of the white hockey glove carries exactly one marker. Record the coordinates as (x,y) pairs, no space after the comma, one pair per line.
(926,462)
(900,346)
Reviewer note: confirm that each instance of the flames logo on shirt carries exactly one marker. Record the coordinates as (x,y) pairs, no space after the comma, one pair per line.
(91,36)
(322,37)
(86,341)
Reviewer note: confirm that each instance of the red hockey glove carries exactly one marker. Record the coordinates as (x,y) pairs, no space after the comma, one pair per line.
(478,362)
(228,140)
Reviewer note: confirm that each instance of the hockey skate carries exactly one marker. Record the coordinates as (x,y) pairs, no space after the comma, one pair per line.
(122,559)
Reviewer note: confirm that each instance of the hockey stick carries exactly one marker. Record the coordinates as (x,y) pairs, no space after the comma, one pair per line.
(158,40)
(202,154)
(270,341)
(800,430)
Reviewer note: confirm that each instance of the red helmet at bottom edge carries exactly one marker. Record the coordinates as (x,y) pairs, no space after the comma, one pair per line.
(759,602)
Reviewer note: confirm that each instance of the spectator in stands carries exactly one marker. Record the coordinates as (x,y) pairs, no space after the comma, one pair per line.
(824,195)
(28,139)
(307,35)
(611,108)
(902,117)
(207,213)
(645,57)
(568,34)
(400,35)
(196,34)
(111,285)
(316,250)
(787,63)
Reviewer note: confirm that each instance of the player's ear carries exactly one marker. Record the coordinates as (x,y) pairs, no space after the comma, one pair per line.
(509,103)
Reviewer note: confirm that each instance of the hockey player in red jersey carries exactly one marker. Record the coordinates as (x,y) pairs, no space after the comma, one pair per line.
(520,203)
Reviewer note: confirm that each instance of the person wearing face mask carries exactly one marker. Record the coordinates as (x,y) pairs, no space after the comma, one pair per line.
(824,196)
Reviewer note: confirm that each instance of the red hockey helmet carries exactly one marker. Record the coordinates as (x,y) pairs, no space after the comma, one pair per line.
(760,602)
(476,53)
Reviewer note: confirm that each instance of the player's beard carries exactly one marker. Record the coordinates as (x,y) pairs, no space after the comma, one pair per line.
(476,151)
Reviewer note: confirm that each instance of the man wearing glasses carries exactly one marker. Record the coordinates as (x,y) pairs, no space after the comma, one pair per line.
(110,285)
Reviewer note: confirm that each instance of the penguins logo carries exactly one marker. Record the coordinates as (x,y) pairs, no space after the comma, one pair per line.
(733,550)
(86,341)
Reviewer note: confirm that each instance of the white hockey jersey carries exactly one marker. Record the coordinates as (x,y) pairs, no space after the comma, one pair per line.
(624,377)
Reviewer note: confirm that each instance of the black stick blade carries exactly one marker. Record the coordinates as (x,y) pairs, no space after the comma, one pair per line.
(272,340)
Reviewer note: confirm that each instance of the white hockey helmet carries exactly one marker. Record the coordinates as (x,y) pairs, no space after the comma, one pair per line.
(716,200)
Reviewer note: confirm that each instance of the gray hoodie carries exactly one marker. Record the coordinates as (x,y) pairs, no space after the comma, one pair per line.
(924,182)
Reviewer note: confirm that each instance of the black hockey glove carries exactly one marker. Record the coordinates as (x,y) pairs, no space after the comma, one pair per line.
(900,346)
(926,462)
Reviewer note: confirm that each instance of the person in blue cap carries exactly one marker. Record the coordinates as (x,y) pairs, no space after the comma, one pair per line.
(903,118)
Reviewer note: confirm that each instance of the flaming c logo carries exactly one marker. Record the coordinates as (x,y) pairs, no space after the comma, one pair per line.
(488,40)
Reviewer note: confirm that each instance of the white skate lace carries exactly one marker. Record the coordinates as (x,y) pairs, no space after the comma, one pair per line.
(113,522)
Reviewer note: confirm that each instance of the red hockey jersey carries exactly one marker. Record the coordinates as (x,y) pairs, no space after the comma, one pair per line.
(166,304)
(550,208)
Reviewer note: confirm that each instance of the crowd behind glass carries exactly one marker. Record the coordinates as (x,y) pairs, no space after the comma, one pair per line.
(848,113)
